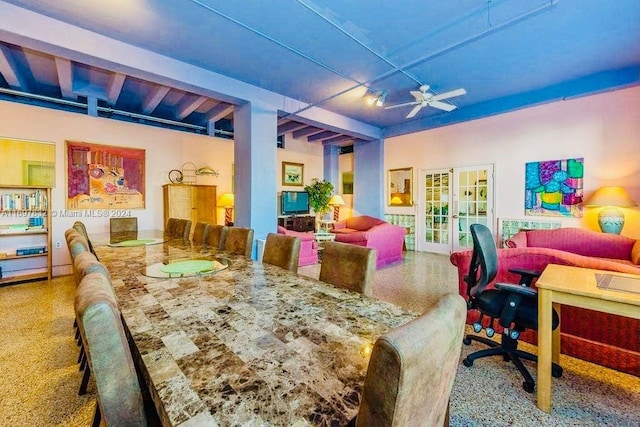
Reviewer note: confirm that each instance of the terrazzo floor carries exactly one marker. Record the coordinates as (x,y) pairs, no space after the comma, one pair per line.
(40,378)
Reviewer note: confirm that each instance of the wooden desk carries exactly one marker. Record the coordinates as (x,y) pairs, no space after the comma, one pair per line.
(250,345)
(575,286)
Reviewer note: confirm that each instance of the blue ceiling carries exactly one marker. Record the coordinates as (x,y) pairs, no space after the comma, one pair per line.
(507,54)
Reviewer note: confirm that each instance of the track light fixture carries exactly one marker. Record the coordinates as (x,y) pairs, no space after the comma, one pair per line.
(376,98)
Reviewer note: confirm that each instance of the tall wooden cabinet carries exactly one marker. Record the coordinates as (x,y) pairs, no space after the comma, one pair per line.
(25,233)
(194,202)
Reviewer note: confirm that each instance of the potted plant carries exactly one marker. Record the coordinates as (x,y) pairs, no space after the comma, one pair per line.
(319,195)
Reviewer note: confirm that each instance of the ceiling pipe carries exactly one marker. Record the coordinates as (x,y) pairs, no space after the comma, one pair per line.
(110,110)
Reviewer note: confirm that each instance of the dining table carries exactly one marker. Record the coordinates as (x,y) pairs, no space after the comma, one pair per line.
(239,342)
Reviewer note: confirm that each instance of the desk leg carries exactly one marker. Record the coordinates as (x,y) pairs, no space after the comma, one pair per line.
(545,350)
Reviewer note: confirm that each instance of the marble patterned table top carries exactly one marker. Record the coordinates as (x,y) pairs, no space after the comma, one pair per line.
(250,345)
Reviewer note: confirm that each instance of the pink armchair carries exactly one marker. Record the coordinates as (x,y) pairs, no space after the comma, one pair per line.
(387,239)
(308,246)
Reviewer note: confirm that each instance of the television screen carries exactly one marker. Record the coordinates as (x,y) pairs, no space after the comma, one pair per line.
(295,202)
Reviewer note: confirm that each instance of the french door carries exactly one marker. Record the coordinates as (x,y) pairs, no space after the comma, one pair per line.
(449,201)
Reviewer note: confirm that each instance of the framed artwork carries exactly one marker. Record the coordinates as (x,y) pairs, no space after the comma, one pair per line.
(400,187)
(554,188)
(292,174)
(105,176)
(25,162)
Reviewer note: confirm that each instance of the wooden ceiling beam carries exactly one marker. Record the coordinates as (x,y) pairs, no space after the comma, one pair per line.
(218,112)
(322,135)
(115,87)
(190,106)
(154,98)
(290,127)
(10,71)
(64,68)
(310,130)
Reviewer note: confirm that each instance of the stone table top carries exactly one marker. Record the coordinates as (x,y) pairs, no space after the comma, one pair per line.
(252,344)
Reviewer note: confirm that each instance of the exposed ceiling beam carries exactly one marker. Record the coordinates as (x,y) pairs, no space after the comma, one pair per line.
(339,138)
(115,87)
(189,106)
(290,127)
(10,71)
(322,135)
(220,111)
(153,99)
(65,77)
(310,130)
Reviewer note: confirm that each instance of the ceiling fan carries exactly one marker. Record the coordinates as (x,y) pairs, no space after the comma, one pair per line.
(426,99)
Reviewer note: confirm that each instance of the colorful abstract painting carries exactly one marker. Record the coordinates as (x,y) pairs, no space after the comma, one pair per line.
(554,188)
(104,176)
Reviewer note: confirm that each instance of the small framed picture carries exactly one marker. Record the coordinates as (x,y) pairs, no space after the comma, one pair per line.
(400,187)
(292,174)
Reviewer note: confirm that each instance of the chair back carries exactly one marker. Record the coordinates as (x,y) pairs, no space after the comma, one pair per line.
(412,369)
(76,243)
(182,228)
(121,229)
(349,266)
(217,234)
(80,228)
(238,241)
(201,232)
(282,251)
(105,343)
(484,260)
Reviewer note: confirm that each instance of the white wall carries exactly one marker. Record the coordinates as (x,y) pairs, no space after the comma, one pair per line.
(300,151)
(165,150)
(604,129)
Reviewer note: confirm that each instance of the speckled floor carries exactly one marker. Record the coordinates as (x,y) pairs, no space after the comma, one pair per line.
(39,377)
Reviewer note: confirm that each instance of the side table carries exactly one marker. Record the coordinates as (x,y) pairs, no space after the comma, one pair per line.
(324,225)
(322,237)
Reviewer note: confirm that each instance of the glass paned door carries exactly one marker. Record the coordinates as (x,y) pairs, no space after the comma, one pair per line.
(449,201)
(473,203)
(433,233)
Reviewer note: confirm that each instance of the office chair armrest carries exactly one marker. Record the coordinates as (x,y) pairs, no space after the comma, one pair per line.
(517,289)
(526,276)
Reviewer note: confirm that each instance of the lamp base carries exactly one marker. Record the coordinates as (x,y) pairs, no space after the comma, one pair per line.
(611,220)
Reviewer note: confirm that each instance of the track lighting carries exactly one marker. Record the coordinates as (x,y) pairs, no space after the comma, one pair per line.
(376,98)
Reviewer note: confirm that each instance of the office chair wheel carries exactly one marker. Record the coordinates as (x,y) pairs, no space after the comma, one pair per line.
(556,371)
(466,362)
(528,387)
(466,341)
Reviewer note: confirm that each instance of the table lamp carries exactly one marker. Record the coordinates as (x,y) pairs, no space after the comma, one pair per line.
(226,201)
(396,200)
(336,201)
(610,218)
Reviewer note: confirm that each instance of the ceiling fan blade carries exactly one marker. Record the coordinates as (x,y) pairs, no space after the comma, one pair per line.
(419,96)
(449,94)
(442,105)
(401,105)
(414,111)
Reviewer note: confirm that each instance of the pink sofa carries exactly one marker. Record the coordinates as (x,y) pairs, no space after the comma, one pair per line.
(308,246)
(605,339)
(387,239)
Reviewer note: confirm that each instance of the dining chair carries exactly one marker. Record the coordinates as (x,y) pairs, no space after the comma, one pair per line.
(282,251)
(76,243)
(171,226)
(349,266)
(181,229)
(122,229)
(80,228)
(412,369)
(217,234)
(201,232)
(119,397)
(238,241)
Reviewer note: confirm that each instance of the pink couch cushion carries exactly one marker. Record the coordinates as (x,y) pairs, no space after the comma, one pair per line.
(362,223)
(635,253)
(582,242)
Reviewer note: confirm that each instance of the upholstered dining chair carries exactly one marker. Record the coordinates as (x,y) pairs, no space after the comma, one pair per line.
(217,234)
(349,266)
(515,306)
(412,369)
(282,251)
(123,229)
(179,228)
(201,232)
(80,228)
(238,241)
(119,395)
